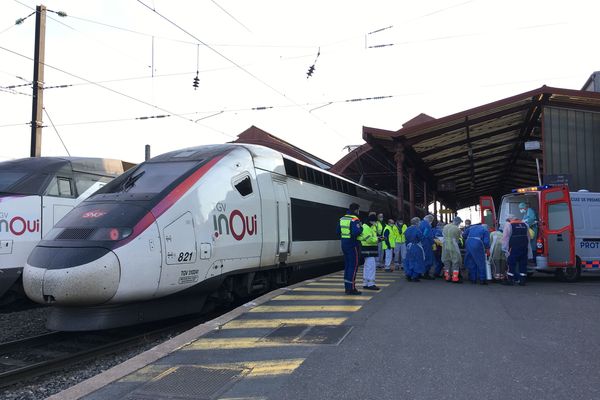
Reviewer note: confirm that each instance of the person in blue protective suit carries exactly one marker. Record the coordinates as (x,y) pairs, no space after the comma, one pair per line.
(437,253)
(414,264)
(530,218)
(478,242)
(515,244)
(349,230)
(427,242)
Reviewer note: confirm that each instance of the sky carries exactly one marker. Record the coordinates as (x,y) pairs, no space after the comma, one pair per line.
(123,60)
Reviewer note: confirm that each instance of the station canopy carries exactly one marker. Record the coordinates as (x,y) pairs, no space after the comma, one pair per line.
(476,152)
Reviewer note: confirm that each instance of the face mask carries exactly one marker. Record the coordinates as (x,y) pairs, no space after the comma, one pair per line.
(381,219)
(522,210)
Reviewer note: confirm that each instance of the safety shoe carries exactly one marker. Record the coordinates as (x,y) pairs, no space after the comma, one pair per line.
(427,277)
(374,287)
(353,292)
(483,283)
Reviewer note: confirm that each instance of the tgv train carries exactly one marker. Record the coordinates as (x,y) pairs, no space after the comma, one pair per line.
(35,193)
(218,221)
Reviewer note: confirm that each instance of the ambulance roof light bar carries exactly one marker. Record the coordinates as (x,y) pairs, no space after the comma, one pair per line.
(531,189)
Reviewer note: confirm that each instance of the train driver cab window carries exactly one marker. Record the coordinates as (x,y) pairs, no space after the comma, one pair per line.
(243,186)
(60,187)
(84,181)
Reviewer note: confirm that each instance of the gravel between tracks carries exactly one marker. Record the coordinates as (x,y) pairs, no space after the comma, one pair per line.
(22,324)
(31,322)
(42,387)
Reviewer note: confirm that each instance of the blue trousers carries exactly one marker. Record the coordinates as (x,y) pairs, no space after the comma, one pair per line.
(517,264)
(350,267)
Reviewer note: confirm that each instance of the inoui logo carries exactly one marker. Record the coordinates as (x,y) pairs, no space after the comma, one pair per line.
(18,225)
(236,223)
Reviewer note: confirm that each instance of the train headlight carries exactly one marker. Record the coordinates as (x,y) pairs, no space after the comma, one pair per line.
(112,234)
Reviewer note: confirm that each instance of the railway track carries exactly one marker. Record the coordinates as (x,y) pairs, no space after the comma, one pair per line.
(39,355)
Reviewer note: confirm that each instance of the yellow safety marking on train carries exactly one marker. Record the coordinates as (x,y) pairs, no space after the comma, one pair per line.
(321,297)
(261,368)
(277,322)
(340,308)
(339,284)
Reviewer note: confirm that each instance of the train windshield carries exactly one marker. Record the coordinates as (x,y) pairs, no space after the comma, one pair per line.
(145,181)
(22,182)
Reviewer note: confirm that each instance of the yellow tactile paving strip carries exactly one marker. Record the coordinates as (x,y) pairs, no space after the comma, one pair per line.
(321,297)
(277,322)
(340,308)
(318,303)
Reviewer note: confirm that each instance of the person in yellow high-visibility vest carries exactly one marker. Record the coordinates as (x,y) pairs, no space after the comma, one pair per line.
(400,248)
(349,229)
(388,244)
(368,250)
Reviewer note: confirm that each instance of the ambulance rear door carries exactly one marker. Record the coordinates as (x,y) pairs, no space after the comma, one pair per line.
(487,211)
(557,226)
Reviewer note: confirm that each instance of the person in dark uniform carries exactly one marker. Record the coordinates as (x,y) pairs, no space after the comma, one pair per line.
(349,230)
(515,244)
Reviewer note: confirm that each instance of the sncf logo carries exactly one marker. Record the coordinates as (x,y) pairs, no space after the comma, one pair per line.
(93,214)
(19,225)
(235,224)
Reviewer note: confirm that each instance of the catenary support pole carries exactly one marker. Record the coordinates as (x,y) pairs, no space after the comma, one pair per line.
(38,81)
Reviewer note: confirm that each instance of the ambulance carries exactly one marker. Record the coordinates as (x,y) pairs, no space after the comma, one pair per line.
(568,238)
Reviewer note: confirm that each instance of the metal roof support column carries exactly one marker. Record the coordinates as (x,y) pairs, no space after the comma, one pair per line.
(411,192)
(425,203)
(399,158)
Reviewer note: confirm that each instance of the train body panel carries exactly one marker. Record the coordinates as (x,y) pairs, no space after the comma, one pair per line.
(222,221)
(140,263)
(36,194)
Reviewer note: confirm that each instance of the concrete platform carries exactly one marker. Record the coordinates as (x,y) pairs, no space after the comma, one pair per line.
(425,340)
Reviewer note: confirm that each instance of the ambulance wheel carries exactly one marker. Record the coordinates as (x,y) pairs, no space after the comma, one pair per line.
(570,274)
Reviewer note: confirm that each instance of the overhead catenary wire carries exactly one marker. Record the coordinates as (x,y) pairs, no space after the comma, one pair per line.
(240,67)
(13,91)
(218,112)
(56,130)
(136,32)
(230,15)
(114,91)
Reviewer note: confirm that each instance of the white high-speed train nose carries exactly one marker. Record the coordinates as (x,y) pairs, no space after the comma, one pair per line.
(89,284)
